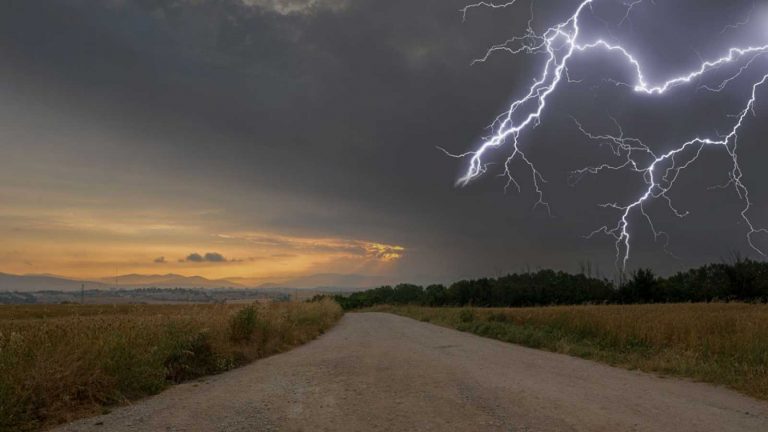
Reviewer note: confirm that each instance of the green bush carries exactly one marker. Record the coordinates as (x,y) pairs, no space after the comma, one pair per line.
(466,315)
(191,357)
(135,372)
(243,324)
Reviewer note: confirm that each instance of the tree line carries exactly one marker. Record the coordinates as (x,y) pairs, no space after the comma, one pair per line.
(739,280)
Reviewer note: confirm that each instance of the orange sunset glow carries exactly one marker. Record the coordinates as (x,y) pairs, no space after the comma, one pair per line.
(100,242)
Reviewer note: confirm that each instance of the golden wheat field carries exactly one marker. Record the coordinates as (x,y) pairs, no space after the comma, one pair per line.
(60,362)
(720,343)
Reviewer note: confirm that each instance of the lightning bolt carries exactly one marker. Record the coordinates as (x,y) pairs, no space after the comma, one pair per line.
(561,43)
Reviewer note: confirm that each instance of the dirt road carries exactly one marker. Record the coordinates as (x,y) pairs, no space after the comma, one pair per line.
(379,372)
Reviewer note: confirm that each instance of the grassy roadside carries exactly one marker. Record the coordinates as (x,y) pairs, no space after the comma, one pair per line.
(61,362)
(719,343)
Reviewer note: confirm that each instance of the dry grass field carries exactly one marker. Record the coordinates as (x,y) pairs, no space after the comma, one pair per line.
(720,343)
(61,362)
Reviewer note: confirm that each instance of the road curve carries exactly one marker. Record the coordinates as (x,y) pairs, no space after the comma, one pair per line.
(381,372)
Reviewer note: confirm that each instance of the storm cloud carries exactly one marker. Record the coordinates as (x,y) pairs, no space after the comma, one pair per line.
(211,257)
(322,118)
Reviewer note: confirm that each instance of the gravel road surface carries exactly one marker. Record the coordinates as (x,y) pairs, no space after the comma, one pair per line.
(381,372)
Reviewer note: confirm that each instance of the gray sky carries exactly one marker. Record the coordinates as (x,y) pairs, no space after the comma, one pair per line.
(131,130)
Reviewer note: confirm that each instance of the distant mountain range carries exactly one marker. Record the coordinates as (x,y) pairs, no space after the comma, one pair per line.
(48,282)
(28,283)
(168,281)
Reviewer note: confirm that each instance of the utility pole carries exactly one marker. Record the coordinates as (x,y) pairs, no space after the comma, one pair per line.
(82,293)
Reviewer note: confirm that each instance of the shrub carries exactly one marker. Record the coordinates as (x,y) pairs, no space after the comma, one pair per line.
(190,357)
(466,315)
(243,324)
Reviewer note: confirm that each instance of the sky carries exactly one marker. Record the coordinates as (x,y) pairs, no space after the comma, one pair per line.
(269,139)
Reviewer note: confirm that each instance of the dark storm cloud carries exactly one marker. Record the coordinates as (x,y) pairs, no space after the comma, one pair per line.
(193,257)
(212,257)
(342,105)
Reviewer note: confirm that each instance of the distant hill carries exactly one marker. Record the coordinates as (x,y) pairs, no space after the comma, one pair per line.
(46,282)
(29,283)
(169,281)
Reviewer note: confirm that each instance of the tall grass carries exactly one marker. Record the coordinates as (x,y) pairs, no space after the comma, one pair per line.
(720,343)
(61,362)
